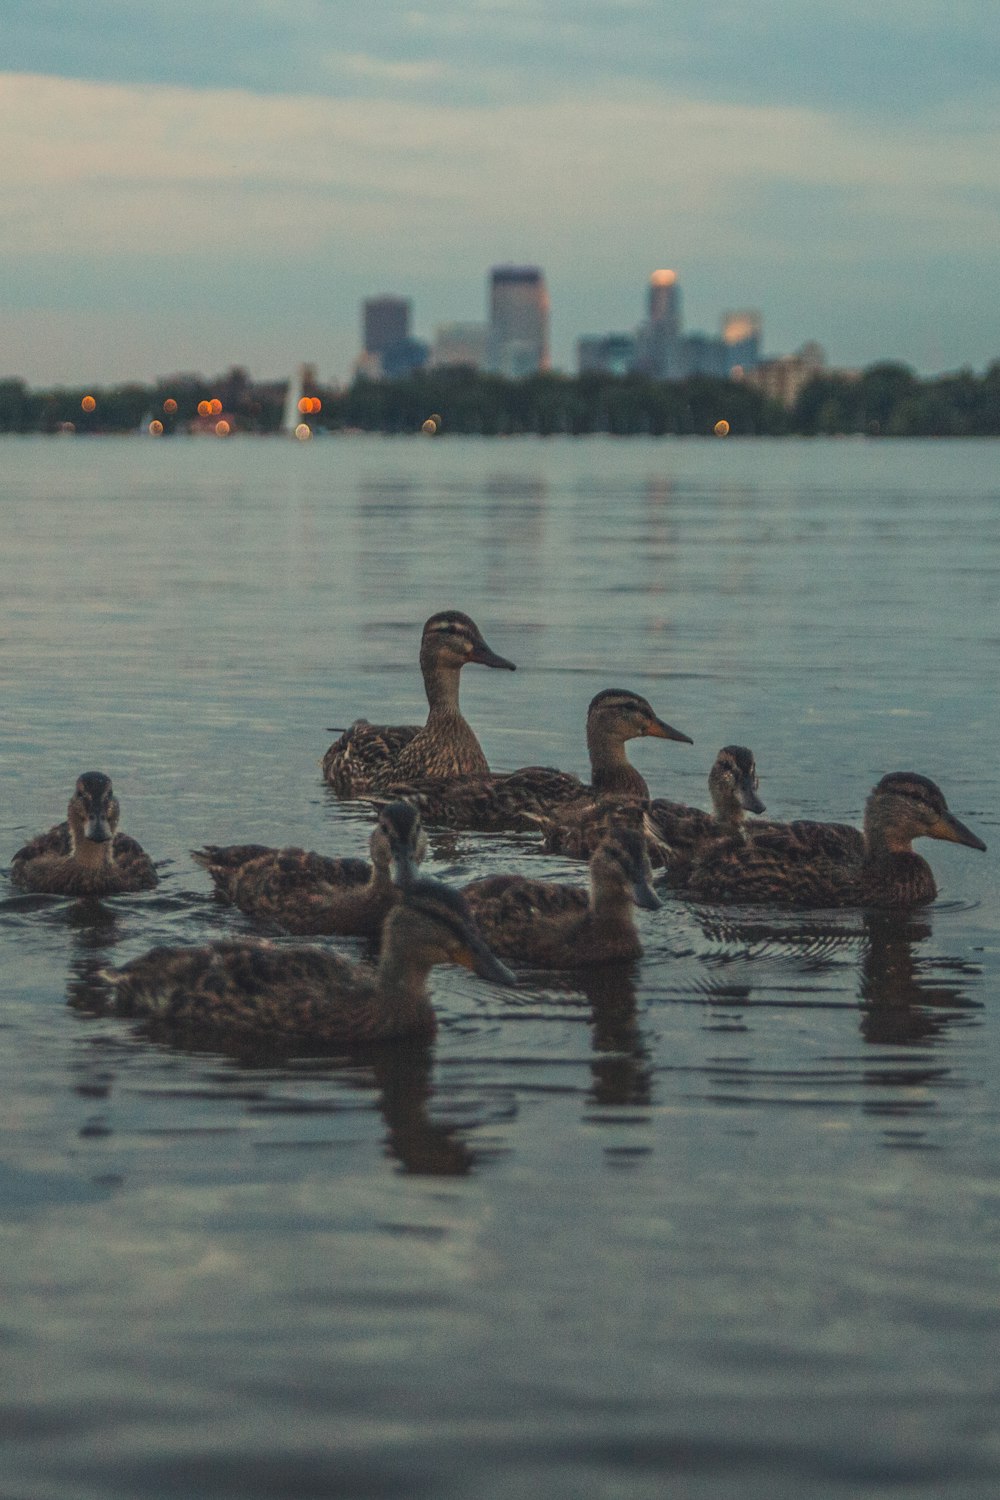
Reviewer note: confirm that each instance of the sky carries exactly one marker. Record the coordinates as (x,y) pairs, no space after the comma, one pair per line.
(184,187)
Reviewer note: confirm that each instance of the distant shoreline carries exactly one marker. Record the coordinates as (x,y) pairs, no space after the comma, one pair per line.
(886,400)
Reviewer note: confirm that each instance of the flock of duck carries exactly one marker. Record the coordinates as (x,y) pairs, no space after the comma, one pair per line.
(252,989)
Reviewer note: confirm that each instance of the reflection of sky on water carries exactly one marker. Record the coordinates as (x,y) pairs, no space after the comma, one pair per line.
(713,1196)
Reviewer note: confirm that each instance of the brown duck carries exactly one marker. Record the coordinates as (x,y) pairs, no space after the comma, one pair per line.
(259,993)
(85,855)
(547,925)
(305,892)
(368,757)
(833,864)
(685,831)
(521,799)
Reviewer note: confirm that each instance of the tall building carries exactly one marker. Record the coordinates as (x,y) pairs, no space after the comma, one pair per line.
(741,335)
(389,350)
(519,321)
(665,303)
(385,321)
(660,348)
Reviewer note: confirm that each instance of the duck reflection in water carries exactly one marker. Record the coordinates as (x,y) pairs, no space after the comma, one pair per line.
(902,999)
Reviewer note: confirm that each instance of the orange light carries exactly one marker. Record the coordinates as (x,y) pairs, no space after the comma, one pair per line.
(663,278)
(222,429)
(204,408)
(88,403)
(155,428)
(430,427)
(316,404)
(305,404)
(215,406)
(170,404)
(721,428)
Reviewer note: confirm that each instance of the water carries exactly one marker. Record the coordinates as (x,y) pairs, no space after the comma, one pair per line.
(723,1225)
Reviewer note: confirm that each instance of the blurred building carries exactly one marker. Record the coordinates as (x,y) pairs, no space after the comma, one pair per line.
(389,350)
(518,342)
(785,378)
(606,354)
(460,345)
(741,334)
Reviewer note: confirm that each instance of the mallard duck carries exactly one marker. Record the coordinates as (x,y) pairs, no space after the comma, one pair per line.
(257,992)
(833,864)
(548,925)
(369,756)
(674,829)
(85,855)
(305,892)
(683,830)
(519,799)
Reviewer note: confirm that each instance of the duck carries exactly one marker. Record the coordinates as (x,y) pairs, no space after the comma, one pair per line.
(673,828)
(85,855)
(369,756)
(519,799)
(304,892)
(683,831)
(256,992)
(833,864)
(545,924)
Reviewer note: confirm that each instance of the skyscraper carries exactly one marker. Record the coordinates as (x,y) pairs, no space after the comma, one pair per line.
(519,321)
(385,321)
(660,349)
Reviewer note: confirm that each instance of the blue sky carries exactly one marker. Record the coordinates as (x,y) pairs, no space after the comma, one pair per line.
(190,186)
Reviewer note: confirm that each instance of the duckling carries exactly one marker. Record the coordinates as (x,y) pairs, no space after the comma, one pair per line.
(521,798)
(369,756)
(258,992)
(831,864)
(552,926)
(732,786)
(308,893)
(85,855)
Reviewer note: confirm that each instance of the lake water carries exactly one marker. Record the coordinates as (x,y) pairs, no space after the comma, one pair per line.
(722,1225)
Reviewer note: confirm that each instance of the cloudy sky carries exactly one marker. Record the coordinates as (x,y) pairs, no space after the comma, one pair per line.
(187,186)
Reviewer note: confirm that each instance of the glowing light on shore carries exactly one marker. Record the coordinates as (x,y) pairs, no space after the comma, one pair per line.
(170,405)
(204,408)
(222,429)
(663,278)
(721,428)
(214,406)
(430,427)
(303,432)
(88,403)
(155,428)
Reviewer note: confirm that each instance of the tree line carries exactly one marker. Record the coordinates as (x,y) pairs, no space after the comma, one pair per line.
(885,400)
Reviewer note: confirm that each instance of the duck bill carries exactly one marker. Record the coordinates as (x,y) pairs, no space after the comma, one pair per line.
(484,657)
(644,896)
(750,801)
(660,731)
(949,828)
(481,961)
(98,830)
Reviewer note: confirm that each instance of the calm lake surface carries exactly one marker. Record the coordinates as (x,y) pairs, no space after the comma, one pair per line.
(722,1225)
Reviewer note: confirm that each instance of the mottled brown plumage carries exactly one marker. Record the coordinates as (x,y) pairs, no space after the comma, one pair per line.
(685,831)
(831,864)
(255,992)
(85,855)
(519,798)
(549,925)
(367,757)
(304,892)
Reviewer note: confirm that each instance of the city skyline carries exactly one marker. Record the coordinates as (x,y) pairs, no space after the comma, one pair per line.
(171,204)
